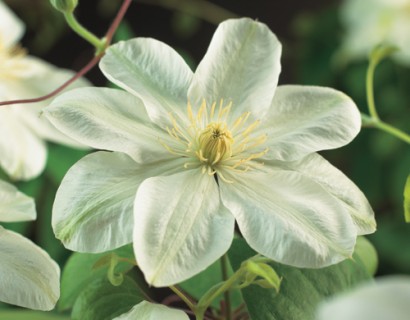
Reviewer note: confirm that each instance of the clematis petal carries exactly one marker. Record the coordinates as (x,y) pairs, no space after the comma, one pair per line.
(100,217)
(304,119)
(14,205)
(242,65)
(180,226)
(388,298)
(152,71)
(23,155)
(37,79)
(109,119)
(151,311)
(318,169)
(29,277)
(289,218)
(11,27)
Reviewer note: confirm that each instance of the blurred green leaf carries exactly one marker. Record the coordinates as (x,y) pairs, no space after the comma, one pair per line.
(185,25)
(124,32)
(100,300)
(30,315)
(79,272)
(367,254)
(60,159)
(407,200)
(301,289)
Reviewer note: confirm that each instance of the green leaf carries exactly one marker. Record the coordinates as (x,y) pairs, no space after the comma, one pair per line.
(100,300)
(30,315)
(80,271)
(301,289)
(367,254)
(60,159)
(198,285)
(265,271)
(407,200)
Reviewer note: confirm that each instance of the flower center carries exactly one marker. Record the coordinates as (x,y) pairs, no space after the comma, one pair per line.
(215,141)
(11,65)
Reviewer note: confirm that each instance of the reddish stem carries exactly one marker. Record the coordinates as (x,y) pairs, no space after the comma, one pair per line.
(108,36)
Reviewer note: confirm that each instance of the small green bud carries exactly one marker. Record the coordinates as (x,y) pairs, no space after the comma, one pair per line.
(65,6)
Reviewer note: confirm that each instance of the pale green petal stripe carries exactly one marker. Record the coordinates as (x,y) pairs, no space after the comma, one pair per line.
(315,167)
(289,218)
(180,226)
(29,277)
(93,211)
(109,119)
(242,65)
(306,119)
(150,311)
(154,72)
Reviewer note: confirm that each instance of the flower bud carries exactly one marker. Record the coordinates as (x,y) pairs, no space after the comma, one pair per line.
(65,6)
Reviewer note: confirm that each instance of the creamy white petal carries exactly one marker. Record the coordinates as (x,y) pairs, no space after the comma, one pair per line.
(289,218)
(180,226)
(151,311)
(388,298)
(109,119)
(154,72)
(11,27)
(39,78)
(92,210)
(14,205)
(318,169)
(242,65)
(29,277)
(305,119)
(23,155)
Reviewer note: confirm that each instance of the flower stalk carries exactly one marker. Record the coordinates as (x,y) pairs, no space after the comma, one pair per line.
(378,54)
(99,44)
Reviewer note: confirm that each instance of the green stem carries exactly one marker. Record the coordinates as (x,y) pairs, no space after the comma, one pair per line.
(214,292)
(378,124)
(227,293)
(182,295)
(83,32)
(369,89)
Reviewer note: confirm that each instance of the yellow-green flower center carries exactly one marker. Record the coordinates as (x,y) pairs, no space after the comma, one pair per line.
(11,61)
(215,142)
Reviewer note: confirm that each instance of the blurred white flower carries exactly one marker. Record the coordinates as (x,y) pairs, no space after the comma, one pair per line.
(22,147)
(387,298)
(194,152)
(151,311)
(369,23)
(28,276)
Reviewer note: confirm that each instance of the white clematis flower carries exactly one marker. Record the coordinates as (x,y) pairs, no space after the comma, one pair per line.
(151,311)
(387,298)
(192,153)
(28,276)
(369,23)
(22,132)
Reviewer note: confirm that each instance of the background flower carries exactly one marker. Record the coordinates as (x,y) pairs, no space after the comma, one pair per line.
(22,132)
(369,23)
(388,298)
(28,276)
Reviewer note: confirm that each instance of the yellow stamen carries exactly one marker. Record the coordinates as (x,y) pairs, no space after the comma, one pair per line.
(212,141)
